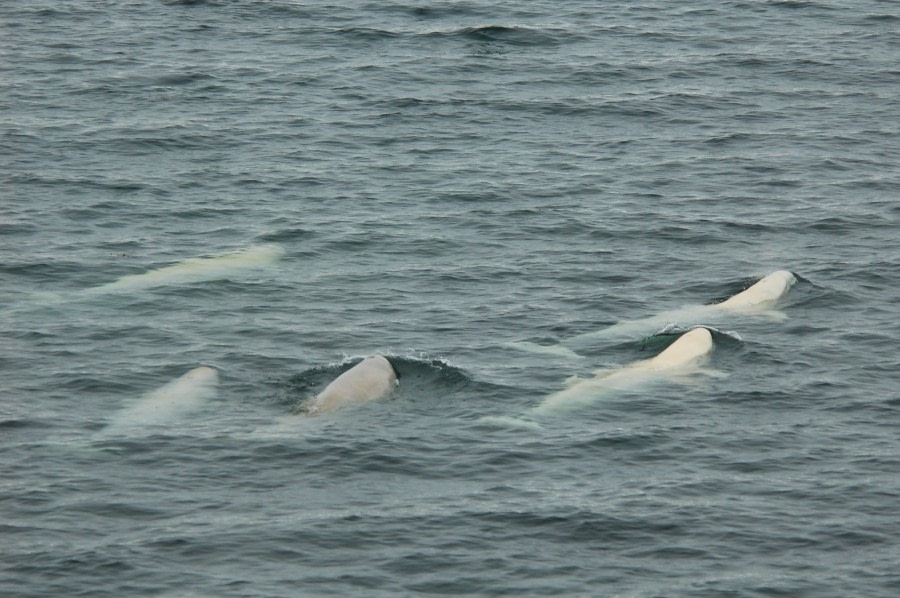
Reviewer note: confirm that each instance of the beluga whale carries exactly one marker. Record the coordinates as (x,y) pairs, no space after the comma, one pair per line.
(191,270)
(758,300)
(371,379)
(170,402)
(762,295)
(195,270)
(682,359)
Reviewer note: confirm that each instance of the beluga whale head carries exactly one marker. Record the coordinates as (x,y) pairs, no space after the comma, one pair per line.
(768,291)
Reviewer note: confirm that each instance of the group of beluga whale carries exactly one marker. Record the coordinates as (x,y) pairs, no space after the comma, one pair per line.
(686,356)
(375,377)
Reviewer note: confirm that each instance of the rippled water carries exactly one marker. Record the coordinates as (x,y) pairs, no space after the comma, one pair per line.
(447,181)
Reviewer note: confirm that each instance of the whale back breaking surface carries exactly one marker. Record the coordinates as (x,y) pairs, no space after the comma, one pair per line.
(684,356)
(371,379)
(765,293)
(692,347)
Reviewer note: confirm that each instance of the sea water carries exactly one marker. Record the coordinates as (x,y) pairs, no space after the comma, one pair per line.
(444,182)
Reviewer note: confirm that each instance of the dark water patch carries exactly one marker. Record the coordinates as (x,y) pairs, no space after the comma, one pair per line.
(781,183)
(113,510)
(17,424)
(123,248)
(600,74)
(630,442)
(286,9)
(576,526)
(366,33)
(882,18)
(358,241)
(75,383)
(799,5)
(773,399)
(19,529)
(740,137)
(853,223)
(143,142)
(77,184)
(209,212)
(839,538)
(433,12)
(768,466)
(674,552)
(288,235)
(636,108)
(807,294)
(94,564)
(40,271)
(192,2)
(504,35)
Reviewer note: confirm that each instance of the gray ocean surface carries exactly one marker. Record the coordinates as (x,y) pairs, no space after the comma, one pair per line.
(445,180)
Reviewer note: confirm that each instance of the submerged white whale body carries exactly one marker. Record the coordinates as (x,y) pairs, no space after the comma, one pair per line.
(684,357)
(371,379)
(169,402)
(760,299)
(195,270)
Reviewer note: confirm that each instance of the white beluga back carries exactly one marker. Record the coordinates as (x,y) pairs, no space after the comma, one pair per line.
(683,358)
(371,379)
(762,295)
(195,270)
(760,299)
(690,350)
(170,402)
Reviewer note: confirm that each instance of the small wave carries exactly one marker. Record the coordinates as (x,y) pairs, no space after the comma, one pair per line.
(514,35)
(21,423)
(367,33)
(180,79)
(799,4)
(17,228)
(507,421)
(288,234)
(883,18)
(195,2)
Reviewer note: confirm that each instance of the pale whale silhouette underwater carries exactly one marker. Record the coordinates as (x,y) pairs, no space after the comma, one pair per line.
(195,270)
(192,270)
(168,403)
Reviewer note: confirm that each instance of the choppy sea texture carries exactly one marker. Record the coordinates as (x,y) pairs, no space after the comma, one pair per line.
(442,181)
